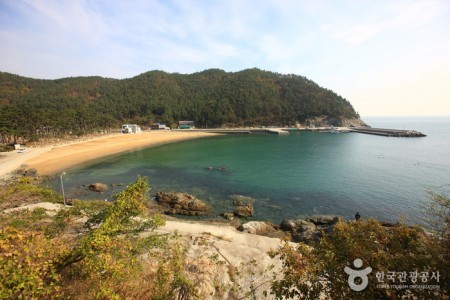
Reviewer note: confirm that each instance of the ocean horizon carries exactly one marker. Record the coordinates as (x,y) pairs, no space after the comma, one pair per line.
(292,176)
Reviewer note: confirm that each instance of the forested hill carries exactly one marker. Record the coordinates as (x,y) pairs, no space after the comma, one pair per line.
(210,98)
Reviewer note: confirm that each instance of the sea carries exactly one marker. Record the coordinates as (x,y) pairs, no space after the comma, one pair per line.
(290,176)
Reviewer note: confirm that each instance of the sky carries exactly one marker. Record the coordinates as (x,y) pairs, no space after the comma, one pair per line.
(387,57)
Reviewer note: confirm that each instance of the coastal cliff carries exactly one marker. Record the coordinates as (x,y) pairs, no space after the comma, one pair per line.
(325,121)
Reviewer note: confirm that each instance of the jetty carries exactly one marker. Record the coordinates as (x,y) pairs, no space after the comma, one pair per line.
(277,131)
(283,131)
(216,130)
(387,132)
(239,131)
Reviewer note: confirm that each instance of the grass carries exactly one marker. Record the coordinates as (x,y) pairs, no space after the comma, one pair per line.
(26,190)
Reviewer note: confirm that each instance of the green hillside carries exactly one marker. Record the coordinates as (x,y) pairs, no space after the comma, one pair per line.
(31,108)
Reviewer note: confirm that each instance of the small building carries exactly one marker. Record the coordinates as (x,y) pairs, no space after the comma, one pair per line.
(186,124)
(131,128)
(159,126)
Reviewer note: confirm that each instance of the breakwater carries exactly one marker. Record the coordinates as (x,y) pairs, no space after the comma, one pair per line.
(388,132)
(240,131)
(365,130)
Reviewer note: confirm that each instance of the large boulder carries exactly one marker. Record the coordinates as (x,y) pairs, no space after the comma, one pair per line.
(288,225)
(244,211)
(257,227)
(182,204)
(98,187)
(326,220)
(310,229)
(240,200)
(306,232)
(263,228)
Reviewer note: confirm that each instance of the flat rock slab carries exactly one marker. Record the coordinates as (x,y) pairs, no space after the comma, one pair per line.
(51,208)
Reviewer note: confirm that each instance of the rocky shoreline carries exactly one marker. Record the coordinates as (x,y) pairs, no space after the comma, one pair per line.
(307,230)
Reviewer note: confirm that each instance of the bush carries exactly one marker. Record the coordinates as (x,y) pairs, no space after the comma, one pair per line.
(6,148)
(103,262)
(309,273)
(25,190)
(28,265)
(107,256)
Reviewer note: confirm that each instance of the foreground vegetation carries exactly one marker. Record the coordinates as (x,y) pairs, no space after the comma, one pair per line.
(32,109)
(101,250)
(58,257)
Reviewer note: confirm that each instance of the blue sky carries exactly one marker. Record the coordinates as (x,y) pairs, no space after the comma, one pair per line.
(387,57)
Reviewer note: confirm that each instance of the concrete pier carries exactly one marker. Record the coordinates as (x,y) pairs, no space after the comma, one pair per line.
(239,131)
(388,132)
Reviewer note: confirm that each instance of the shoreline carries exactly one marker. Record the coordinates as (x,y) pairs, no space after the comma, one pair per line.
(50,160)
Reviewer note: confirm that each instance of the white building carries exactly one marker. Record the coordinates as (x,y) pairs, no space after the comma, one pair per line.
(131,128)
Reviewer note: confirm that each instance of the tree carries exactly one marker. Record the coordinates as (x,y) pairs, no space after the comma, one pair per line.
(53,108)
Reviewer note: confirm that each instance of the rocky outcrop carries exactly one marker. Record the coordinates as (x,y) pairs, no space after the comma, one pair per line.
(243,206)
(244,211)
(324,220)
(182,204)
(98,187)
(239,200)
(325,121)
(258,227)
(309,230)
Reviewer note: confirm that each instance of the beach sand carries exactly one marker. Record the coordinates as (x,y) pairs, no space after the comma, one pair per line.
(51,160)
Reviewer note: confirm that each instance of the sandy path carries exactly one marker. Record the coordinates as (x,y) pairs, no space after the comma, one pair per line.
(51,160)
(10,161)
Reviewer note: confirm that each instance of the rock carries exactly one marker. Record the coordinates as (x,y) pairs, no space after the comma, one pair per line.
(244,211)
(288,225)
(387,224)
(305,226)
(50,208)
(324,121)
(98,187)
(182,204)
(257,227)
(309,230)
(324,219)
(31,173)
(239,200)
(263,228)
(305,232)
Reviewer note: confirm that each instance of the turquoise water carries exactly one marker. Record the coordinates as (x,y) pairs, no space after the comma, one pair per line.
(294,175)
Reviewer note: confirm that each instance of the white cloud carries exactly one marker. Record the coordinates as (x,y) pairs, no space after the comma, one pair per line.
(404,16)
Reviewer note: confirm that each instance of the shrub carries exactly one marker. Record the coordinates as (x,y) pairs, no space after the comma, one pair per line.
(107,256)
(312,272)
(26,190)
(28,265)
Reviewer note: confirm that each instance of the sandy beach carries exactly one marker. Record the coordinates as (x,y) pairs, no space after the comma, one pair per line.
(53,159)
